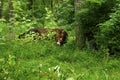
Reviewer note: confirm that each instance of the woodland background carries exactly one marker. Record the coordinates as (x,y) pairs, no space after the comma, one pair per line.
(92,51)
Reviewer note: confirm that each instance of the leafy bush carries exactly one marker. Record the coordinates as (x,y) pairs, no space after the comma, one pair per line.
(64,12)
(91,13)
(109,37)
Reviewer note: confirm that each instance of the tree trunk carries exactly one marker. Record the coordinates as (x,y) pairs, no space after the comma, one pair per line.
(11,19)
(30,5)
(1,8)
(80,38)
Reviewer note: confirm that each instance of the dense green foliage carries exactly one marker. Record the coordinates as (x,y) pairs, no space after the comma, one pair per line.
(109,31)
(99,21)
(28,59)
(64,8)
(45,61)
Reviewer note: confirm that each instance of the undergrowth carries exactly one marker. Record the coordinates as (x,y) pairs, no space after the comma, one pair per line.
(44,60)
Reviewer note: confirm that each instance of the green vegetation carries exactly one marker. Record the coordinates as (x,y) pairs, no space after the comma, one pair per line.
(46,61)
(92,51)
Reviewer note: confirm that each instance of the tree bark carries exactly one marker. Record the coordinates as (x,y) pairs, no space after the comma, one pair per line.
(11,19)
(30,5)
(1,8)
(80,38)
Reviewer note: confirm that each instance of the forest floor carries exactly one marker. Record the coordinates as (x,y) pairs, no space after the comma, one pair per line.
(43,60)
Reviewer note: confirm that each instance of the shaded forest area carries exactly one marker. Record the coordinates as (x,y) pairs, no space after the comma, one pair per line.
(92,48)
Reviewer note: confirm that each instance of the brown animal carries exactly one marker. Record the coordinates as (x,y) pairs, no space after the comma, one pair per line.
(60,35)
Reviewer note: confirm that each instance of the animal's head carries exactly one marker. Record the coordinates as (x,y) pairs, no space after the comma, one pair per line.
(61,37)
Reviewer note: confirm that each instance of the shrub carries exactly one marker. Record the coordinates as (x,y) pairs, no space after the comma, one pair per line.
(92,13)
(109,36)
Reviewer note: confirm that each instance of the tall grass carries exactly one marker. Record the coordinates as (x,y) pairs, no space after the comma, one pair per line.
(44,60)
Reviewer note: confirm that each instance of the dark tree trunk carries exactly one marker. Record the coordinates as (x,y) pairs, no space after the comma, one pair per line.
(1,8)
(11,19)
(30,5)
(80,38)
